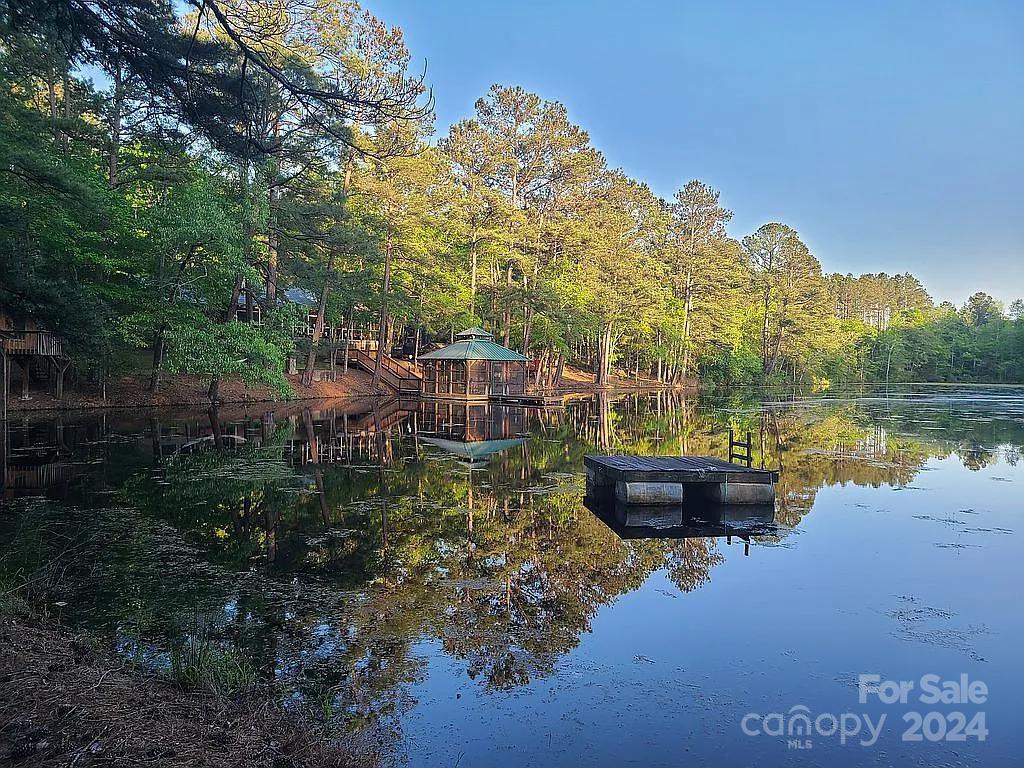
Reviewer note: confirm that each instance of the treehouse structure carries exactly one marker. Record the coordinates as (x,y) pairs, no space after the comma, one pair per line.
(24,342)
(474,368)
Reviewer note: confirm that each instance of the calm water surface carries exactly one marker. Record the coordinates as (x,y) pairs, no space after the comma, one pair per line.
(427,576)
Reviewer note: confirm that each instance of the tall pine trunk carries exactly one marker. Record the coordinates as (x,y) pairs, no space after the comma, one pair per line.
(273,241)
(113,159)
(382,329)
(604,355)
(318,327)
(764,335)
(687,309)
(473,258)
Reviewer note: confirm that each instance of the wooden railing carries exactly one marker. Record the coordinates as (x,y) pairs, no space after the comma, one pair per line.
(365,338)
(402,367)
(400,375)
(31,343)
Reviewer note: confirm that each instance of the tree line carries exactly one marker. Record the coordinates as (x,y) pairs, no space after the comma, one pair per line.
(168,168)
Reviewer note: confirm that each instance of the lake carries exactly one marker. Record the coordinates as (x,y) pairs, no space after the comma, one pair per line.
(428,578)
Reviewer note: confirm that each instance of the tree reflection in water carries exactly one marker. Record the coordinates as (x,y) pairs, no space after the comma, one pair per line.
(328,544)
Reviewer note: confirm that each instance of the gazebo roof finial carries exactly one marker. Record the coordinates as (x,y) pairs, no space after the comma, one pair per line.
(475,344)
(476,332)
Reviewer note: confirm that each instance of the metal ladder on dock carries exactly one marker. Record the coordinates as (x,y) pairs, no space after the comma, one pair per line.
(747,448)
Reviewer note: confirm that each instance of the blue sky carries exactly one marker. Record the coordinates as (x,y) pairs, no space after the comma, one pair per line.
(889,134)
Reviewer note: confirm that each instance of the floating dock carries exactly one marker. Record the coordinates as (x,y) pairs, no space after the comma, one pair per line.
(670,479)
(534,399)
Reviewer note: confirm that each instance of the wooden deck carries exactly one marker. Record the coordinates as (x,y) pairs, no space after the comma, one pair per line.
(41,343)
(607,470)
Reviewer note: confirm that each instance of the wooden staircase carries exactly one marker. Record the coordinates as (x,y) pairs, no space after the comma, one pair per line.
(401,376)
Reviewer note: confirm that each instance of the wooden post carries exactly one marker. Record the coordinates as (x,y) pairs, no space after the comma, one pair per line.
(60,367)
(4,366)
(3,438)
(25,372)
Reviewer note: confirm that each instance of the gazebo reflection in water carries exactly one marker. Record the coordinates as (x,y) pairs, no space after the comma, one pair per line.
(472,432)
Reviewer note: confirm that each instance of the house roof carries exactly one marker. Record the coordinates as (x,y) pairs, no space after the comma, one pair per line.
(300,296)
(475,349)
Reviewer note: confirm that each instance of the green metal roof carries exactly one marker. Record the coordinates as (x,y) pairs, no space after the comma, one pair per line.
(475,349)
(476,332)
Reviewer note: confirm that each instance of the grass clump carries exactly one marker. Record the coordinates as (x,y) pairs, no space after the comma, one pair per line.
(201,664)
(12,606)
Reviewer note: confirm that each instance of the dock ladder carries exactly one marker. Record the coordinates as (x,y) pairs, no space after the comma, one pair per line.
(741,451)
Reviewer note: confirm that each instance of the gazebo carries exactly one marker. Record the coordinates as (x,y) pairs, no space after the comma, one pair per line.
(474,368)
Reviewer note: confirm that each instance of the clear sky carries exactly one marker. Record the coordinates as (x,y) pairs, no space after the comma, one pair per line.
(889,134)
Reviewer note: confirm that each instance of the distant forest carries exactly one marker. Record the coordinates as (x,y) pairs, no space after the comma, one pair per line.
(163,164)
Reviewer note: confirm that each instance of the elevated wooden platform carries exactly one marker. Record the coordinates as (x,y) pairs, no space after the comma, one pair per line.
(672,469)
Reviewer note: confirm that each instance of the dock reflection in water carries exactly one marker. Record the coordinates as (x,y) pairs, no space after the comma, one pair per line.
(689,520)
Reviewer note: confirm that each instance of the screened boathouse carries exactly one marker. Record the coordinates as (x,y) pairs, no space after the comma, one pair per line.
(474,367)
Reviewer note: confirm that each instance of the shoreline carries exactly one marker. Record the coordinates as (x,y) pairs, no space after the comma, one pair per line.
(183,391)
(190,392)
(111,710)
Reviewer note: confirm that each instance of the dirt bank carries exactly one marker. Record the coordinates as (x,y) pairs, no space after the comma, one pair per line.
(62,703)
(132,391)
(577,380)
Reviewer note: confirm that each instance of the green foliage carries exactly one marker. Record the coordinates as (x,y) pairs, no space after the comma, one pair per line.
(740,365)
(132,217)
(941,344)
(200,346)
(63,238)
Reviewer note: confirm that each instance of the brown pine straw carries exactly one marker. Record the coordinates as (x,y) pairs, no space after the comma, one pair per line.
(62,704)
